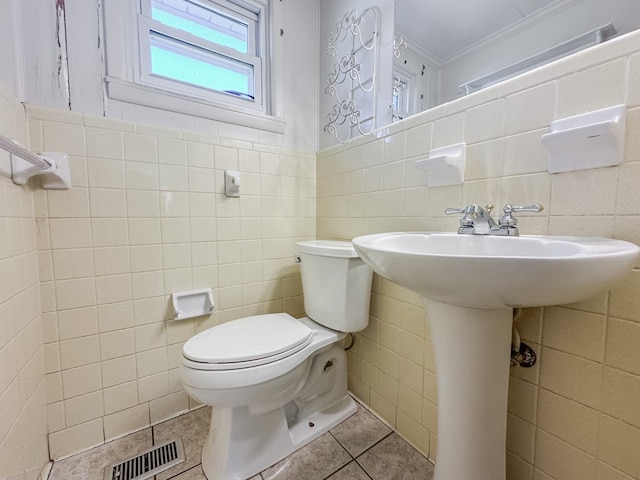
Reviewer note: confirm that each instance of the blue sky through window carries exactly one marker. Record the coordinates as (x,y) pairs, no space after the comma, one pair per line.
(202,31)
(195,72)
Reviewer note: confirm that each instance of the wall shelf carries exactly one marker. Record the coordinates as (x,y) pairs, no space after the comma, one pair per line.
(444,166)
(591,140)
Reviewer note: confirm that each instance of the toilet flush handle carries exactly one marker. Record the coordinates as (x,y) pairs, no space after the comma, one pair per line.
(297,259)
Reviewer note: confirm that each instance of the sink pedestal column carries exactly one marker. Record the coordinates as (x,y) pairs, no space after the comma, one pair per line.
(472,356)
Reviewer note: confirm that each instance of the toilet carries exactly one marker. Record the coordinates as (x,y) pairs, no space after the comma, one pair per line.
(276,382)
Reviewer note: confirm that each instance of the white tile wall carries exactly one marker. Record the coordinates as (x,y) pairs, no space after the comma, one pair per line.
(573,415)
(23,412)
(148,216)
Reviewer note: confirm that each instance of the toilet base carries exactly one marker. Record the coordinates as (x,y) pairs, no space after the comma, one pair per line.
(240,445)
(244,440)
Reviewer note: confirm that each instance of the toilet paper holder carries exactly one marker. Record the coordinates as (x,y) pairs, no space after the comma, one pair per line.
(192,303)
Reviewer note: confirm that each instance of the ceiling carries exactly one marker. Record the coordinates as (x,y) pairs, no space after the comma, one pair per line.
(460,23)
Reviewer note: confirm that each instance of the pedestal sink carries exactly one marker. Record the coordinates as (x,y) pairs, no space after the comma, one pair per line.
(469,285)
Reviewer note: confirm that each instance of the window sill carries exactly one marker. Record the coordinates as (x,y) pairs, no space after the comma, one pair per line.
(152,97)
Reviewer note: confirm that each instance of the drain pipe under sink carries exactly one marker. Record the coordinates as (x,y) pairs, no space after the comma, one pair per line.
(522,355)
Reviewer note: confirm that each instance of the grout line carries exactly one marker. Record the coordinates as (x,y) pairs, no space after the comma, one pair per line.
(364,470)
(153,434)
(180,473)
(345,466)
(376,443)
(341,445)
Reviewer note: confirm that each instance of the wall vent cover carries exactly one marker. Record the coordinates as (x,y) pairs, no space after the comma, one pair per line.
(148,463)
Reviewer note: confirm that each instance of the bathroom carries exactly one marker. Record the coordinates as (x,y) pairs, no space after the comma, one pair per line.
(87,352)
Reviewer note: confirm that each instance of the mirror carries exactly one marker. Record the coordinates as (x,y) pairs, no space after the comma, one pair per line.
(446,49)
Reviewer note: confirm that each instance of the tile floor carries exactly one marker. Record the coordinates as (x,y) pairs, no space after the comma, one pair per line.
(360,448)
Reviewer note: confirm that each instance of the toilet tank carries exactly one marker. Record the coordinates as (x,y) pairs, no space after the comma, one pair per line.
(336,284)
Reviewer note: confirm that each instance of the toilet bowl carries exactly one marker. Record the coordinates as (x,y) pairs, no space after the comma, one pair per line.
(276,382)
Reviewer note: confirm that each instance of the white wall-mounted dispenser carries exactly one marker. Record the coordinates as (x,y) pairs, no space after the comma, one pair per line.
(192,303)
(590,140)
(232,183)
(445,165)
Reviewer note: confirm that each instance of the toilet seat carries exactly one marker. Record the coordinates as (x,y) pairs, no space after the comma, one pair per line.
(234,375)
(248,342)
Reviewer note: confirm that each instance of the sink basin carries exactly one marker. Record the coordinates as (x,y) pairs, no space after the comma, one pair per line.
(485,271)
(469,285)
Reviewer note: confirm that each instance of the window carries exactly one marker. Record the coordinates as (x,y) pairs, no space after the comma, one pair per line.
(191,56)
(400,97)
(203,49)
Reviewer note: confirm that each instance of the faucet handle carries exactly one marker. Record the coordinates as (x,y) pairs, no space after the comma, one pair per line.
(508,208)
(508,221)
(451,211)
(466,222)
(472,208)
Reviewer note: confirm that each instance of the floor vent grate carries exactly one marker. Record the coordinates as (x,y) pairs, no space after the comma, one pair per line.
(148,463)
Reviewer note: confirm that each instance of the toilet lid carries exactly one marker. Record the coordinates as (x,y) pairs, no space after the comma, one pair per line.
(249,341)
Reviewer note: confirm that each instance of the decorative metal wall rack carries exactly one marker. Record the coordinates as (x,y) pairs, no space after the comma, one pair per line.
(353,77)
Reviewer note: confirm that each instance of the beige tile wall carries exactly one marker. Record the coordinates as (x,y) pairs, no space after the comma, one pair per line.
(23,419)
(147,216)
(575,414)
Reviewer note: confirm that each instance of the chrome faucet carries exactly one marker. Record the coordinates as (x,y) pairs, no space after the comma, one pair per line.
(477,220)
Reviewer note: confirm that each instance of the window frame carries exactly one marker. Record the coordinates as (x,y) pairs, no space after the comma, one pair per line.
(403,96)
(127,67)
